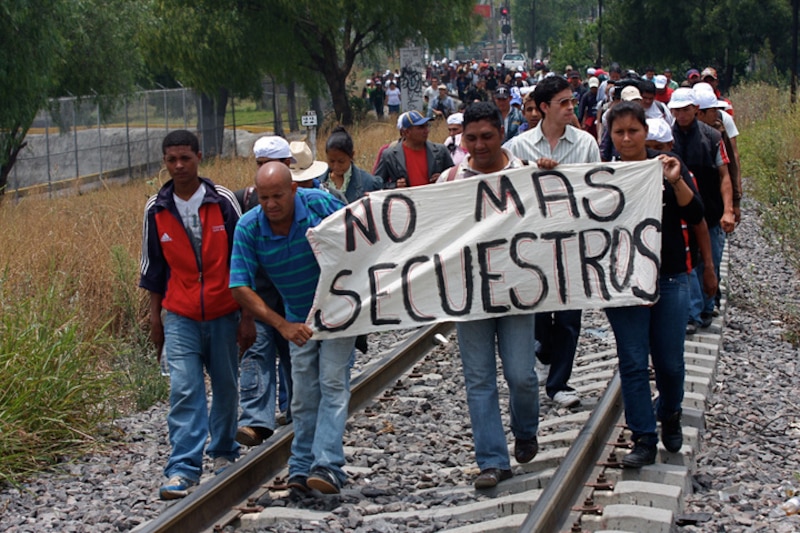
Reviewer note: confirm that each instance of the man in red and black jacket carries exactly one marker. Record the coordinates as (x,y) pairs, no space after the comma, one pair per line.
(186,248)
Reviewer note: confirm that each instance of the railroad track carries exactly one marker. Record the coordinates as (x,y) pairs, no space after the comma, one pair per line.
(575,483)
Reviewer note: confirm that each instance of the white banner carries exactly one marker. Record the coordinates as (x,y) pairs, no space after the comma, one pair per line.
(523,241)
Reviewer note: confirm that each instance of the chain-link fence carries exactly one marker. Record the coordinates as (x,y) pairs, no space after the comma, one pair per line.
(90,139)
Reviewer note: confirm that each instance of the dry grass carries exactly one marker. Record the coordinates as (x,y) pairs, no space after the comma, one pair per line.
(91,242)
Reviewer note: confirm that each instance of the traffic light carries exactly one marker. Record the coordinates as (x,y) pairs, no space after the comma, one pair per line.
(504,11)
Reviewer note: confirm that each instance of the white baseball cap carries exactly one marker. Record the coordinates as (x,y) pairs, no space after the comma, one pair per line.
(681,97)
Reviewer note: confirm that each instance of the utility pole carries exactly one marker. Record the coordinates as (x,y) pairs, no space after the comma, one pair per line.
(600,33)
(794,50)
(532,52)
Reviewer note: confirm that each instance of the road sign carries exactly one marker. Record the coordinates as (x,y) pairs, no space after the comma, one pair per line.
(309,119)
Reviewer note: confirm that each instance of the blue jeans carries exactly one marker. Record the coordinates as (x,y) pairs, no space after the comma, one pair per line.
(558,334)
(658,331)
(699,301)
(321,376)
(284,381)
(514,337)
(258,378)
(191,347)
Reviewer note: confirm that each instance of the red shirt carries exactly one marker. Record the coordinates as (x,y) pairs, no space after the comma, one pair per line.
(416,166)
(664,96)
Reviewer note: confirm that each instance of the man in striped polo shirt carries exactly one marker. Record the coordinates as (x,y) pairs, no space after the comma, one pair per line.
(272,236)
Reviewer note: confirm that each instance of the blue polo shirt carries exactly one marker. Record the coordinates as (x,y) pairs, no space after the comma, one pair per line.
(288,260)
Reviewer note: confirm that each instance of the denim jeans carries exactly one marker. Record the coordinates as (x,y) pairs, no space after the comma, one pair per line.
(658,331)
(258,378)
(515,339)
(321,376)
(285,381)
(699,301)
(191,347)
(558,334)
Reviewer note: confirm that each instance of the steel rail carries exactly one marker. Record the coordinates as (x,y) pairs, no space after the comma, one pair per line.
(213,504)
(551,510)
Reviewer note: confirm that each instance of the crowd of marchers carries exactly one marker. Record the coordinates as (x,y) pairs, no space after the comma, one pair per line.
(231,275)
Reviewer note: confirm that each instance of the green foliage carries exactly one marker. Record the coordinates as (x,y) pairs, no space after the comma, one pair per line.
(769,146)
(225,43)
(553,22)
(723,34)
(52,398)
(137,372)
(577,47)
(55,47)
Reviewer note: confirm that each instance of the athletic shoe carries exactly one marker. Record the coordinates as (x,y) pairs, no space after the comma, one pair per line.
(567,398)
(176,487)
(324,481)
(220,464)
(542,371)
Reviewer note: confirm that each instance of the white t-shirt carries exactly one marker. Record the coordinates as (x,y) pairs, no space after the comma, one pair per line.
(393,96)
(190,215)
(729,124)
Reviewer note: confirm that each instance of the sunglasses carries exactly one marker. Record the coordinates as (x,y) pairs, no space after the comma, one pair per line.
(565,102)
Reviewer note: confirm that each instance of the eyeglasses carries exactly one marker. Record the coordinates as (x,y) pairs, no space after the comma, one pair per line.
(565,102)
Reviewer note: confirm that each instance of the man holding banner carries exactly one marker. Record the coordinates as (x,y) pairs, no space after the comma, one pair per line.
(513,334)
(555,142)
(273,236)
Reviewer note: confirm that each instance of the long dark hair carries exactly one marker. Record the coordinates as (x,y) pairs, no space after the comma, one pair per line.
(340,140)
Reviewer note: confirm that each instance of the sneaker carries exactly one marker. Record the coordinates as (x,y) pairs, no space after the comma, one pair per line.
(643,454)
(176,487)
(491,477)
(324,481)
(252,436)
(525,450)
(542,371)
(567,398)
(671,433)
(298,482)
(705,320)
(220,464)
(691,327)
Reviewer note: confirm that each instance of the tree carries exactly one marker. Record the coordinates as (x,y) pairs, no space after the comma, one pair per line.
(51,47)
(724,34)
(550,22)
(330,35)
(227,44)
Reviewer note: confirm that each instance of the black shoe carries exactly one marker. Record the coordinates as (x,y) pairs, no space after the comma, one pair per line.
(525,449)
(298,482)
(491,477)
(671,433)
(643,454)
(691,327)
(324,481)
(705,319)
